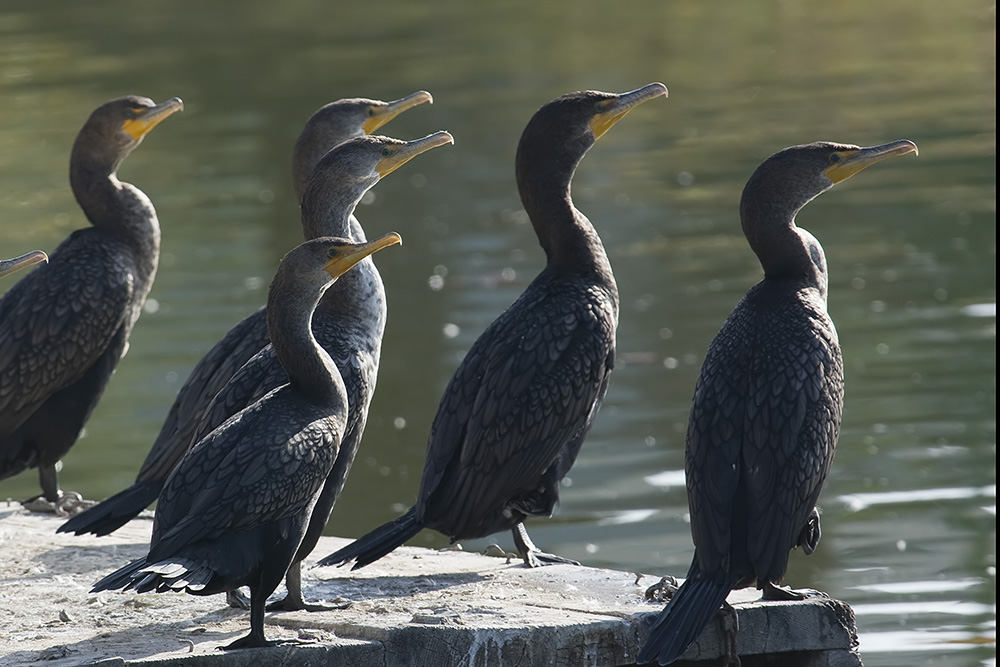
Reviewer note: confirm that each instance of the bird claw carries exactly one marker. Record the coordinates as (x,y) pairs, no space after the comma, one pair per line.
(69,503)
(250,641)
(776,593)
(535,558)
(662,590)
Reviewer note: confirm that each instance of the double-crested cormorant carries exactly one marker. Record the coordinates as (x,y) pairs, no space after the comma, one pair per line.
(767,405)
(235,509)
(518,408)
(331,125)
(64,327)
(348,322)
(8,266)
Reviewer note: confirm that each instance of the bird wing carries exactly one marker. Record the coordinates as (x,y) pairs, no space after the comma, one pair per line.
(529,387)
(792,424)
(714,441)
(177,435)
(58,320)
(761,433)
(261,374)
(266,463)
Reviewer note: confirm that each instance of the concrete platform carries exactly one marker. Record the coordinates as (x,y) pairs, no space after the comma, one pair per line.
(414,607)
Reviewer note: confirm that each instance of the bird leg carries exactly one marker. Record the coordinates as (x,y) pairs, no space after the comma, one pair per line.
(729,626)
(293,600)
(663,590)
(811,533)
(256,637)
(531,555)
(48,477)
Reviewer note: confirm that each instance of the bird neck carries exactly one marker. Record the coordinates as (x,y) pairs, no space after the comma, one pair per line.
(786,251)
(311,371)
(570,241)
(116,207)
(330,212)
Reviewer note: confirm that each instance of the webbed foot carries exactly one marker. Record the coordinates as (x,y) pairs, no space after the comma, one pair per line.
(810,535)
(69,503)
(237,600)
(536,558)
(777,593)
(291,603)
(663,590)
(532,555)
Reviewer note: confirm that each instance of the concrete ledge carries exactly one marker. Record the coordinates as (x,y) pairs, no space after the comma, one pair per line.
(414,607)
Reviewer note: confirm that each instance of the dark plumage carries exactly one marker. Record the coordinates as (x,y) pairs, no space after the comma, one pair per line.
(8,266)
(331,125)
(767,405)
(234,511)
(348,322)
(65,325)
(518,408)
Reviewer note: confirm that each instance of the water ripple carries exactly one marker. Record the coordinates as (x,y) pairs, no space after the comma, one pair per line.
(859,501)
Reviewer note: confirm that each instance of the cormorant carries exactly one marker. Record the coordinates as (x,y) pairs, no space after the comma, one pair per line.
(517,410)
(235,509)
(767,405)
(329,126)
(8,266)
(64,327)
(348,322)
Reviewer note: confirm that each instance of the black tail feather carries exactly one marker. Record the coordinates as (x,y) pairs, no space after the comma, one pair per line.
(377,543)
(685,616)
(109,515)
(122,578)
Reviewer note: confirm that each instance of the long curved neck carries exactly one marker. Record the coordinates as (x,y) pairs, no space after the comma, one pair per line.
(785,251)
(310,369)
(116,207)
(568,238)
(331,212)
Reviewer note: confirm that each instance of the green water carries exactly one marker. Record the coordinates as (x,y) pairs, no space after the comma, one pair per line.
(909,509)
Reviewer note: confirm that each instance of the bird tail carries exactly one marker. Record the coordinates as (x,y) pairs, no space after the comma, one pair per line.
(168,575)
(377,543)
(109,515)
(120,578)
(685,616)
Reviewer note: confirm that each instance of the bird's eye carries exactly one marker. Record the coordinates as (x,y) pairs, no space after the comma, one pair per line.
(386,152)
(835,157)
(332,252)
(131,113)
(371,112)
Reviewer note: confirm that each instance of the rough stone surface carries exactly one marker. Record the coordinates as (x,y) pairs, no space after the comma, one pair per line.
(413,607)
